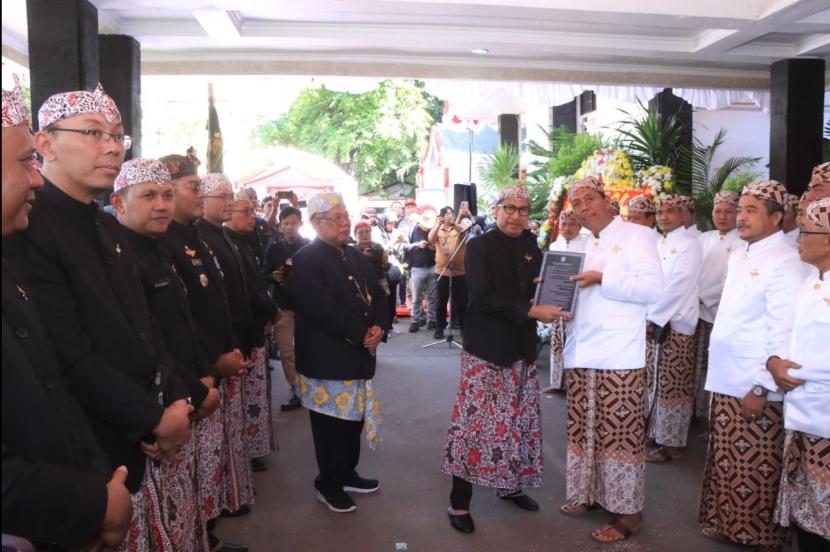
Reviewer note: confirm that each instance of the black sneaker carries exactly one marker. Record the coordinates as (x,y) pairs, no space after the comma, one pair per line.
(358,484)
(258,465)
(422,323)
(291,404)
(340,503)
(438,334)
(414,327)
(431,325)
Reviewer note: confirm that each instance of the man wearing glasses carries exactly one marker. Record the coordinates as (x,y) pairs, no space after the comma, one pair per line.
(341,311)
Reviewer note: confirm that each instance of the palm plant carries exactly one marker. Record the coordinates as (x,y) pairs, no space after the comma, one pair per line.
(499,169)
(706,181)
(651,139)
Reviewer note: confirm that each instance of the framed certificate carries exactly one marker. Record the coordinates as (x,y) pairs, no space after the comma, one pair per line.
(556,287)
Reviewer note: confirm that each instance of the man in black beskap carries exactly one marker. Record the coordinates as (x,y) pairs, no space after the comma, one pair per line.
(341,313)
(199,271)
(83,281)
(55,489)
(275,269)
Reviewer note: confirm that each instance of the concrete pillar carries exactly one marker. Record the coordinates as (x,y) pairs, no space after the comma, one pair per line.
(509,130)
(796,116)
(121,77)
(570,114)
(63,47)
(667,104)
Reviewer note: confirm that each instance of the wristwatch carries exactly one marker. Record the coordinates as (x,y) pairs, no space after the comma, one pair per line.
(759,391)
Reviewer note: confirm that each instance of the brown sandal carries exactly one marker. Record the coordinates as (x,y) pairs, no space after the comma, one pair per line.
(623,531)
(661,455)
(713,534)
(579,509)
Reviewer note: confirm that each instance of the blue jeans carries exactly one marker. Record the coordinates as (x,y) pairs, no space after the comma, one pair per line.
(423,281)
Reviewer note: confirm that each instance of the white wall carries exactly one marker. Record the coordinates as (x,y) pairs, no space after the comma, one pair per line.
(747,134)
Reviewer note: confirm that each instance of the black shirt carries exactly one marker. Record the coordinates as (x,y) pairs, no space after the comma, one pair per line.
(263,309)
(338,299)
(199,271)
(169,304)
(275,258)
(234,281)
(414,255)
(54,471)
(500,271)
(85,286)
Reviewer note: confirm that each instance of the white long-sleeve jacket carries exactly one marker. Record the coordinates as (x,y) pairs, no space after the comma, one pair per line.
(680,258)
(716,248)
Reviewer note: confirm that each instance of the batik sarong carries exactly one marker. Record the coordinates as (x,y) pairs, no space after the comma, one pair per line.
(742,474)
(148,530)
(239,486)
(211,451)
(702,397)
(183,519)
(495,435)
(352,400)
(259,424)
(557,348)
(671,411)
(804,493)
(606,439)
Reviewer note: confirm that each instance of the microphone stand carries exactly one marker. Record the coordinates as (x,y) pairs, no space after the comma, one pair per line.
(450,338)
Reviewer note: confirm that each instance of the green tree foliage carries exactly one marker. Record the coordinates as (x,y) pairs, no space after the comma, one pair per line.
(562,156)
(376,137)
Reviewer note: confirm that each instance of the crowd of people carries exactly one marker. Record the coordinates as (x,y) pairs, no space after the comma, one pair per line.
(137,340)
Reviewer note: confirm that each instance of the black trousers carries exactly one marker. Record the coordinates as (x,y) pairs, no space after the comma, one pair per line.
(458,292)
(337,447)
(394,278)
(461,494)
(810,542)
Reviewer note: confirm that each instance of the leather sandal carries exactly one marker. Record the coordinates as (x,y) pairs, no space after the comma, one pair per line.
(579,509)
(623,531)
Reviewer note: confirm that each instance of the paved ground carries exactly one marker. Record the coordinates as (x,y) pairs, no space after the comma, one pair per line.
(416,388)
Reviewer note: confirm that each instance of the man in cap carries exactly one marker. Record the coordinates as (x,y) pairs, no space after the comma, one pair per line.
(495,435)
(218,208)
(277,267)
(605,356)
(199,271)
(819,185)
(672,320)
(569,239)
(420,255)
(84,282)
(716,246)
(688,209)
(614,207)
(642,211)
(55,489)
(143,201)
(754,321)
(259,425)
(341,313)
(804,374)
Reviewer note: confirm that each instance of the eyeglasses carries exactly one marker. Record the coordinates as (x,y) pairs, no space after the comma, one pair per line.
(223,197)
(98,136)
(247,211)
(193,186)
(512,209)
(339,219)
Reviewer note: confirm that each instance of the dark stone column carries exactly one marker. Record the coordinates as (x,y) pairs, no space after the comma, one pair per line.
(667,104)
(121,78)
(796,116)
(509,129)
(566,115)
(63,47)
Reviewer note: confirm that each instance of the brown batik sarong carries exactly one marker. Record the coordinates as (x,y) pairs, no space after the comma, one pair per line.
(239,484)
(557,348)
(743,470)
(804,495)
(606,439)
(702,396)
(671,411)
(148,529)
(259,424)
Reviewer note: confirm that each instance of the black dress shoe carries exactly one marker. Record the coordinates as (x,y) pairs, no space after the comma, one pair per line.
(216,545)
(243,510)
(258,465)
(414,327)
(422,323)
(292,404)
(463,522)
(431,325)
(438,334)
(522,501)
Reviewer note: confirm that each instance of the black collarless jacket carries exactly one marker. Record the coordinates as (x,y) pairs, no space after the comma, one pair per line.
(332,316)
(86,287)
(167,299)
(54,471)
(499,272)
(199,271)
(263,309)
(275,257)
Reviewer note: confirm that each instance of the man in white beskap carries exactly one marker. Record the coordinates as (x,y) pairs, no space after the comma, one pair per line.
(754,322)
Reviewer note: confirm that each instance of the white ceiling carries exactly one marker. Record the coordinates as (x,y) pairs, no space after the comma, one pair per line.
(693,43)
